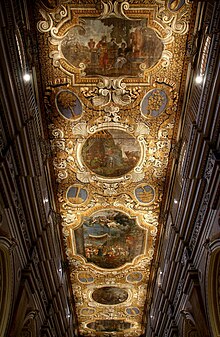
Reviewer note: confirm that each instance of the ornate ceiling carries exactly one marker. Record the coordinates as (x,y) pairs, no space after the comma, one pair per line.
(112,74)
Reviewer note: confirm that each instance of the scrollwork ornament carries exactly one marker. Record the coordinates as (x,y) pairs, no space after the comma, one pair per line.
(166,58)
(62,175)
(60,164)
(60,13)
(111,114)
(47,24)
(114,9)
(57,133)
(151,218)
(111,90)
(179,26)
(176,21)
(55,55)
(153,232)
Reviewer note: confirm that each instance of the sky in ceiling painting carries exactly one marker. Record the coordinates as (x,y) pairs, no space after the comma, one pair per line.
(112,78)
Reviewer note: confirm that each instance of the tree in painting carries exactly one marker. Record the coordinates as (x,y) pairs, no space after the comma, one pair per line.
(67,101)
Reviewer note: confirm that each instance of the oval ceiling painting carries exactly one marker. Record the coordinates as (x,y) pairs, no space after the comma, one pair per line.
(87,311)
(110,295)
(109,239)
(109,325)
(85,277)
(111,153)
(132,311)
(175,5)
(154,103)
(68,104)
(112,47)
(134,277)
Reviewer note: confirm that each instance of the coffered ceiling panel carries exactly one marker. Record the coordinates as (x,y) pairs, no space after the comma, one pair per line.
(112,75)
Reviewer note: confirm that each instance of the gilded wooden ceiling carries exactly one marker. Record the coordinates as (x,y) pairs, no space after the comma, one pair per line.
(112,72)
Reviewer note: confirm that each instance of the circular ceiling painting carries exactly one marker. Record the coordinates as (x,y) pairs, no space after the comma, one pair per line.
(111,153)
(112,47)
(144,193)
(77,194)
(110,295)
(109,325)
(109,239)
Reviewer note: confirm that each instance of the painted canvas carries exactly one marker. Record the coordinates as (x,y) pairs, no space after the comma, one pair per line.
(112,46)
(76,194)
(175,5)
(68,104)
(109,325)
(87,311)
(111,153)
(109,239)
(110,295)
(85,277)
(132,311)
(134,277)
(144,193)
(154,103)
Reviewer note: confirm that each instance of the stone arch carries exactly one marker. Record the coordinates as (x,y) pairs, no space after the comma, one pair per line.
(6,283)
(213,286)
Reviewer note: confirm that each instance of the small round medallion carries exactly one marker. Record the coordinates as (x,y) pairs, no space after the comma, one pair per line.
(85,277)
(68,104)
(134,277)
(76,194)
(154,103)
(144,193)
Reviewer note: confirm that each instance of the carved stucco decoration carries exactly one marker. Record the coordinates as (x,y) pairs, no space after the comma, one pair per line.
(112,121)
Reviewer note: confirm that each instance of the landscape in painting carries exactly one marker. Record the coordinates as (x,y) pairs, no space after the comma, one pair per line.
(112,46)
(109,239)
(111,153)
